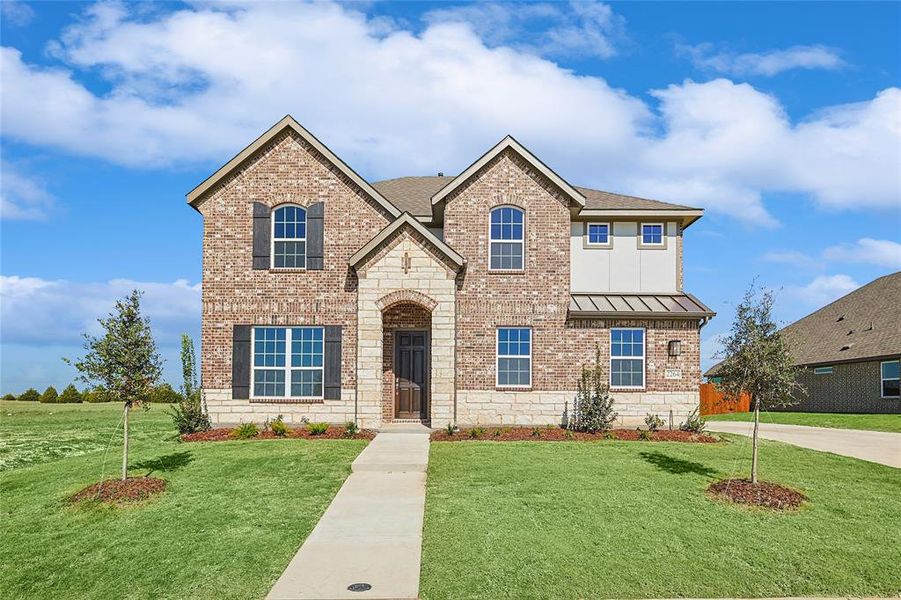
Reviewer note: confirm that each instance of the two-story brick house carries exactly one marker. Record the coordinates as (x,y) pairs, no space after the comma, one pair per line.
(467,299)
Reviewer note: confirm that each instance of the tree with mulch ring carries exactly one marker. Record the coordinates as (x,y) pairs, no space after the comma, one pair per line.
(761,493)
(121,491)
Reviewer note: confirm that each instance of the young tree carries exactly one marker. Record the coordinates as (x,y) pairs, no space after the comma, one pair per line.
(189,414)
(593,406)
(757,361)
(124,360)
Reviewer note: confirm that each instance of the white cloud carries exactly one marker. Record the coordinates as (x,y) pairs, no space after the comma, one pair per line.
(793,258)
(22,197)
(16,12)
(195,85)
(882,253)
(38,311)
(769,63)
(823,289)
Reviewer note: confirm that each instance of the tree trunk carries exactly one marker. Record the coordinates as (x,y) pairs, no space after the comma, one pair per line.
(125,446)
(754,442)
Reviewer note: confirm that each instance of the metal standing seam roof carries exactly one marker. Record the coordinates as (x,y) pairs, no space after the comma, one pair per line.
(668,306)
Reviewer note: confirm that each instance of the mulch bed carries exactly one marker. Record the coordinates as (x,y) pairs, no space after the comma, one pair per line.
(557,434)
(224,434)
(116,491)
(762,493)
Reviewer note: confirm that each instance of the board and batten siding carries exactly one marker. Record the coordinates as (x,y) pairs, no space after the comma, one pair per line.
(624,266)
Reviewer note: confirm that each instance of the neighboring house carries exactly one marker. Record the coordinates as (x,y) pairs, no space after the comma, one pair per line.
(849,352)
(467,299)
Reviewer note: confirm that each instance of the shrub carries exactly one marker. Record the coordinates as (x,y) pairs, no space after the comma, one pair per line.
(569,434)
(97,394)
(496,432)
(476,432)
(536,432)
(654,422)
(350,429)
(49,396)
(450,429)
(278,427)
(644,434)
(189,415)
(317,428)
(694,423)
(9,397)
(245,431)
(593,406)
(609,436)
(70,395)
(163,394)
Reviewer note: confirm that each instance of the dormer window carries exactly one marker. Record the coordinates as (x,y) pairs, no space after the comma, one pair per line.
(506,239)
(289,237)
(652,234)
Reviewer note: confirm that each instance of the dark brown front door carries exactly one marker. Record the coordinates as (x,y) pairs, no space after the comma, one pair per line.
(411,368)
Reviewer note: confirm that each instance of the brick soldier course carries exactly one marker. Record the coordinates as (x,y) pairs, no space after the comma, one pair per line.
(418,258)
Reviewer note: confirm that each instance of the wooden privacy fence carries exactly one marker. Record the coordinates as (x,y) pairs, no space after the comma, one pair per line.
(712,402)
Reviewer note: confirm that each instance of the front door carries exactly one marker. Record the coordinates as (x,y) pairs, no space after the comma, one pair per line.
(411,368)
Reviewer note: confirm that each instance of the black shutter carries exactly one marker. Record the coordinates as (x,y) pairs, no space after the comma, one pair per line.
(315,214)
(262,229)
(332,376)
(241,362)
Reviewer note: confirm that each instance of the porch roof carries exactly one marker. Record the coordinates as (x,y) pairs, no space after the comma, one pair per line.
(626,306)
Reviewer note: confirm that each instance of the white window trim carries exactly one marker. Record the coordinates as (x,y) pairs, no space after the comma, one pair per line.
(272,239)
(590,244)
(644,364)
(287,368)
(882,379)
(498,356)
(522,242)
(823,370)
(643,244)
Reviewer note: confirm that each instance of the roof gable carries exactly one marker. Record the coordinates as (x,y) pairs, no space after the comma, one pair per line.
(406,219)
(196,196)
(509,142)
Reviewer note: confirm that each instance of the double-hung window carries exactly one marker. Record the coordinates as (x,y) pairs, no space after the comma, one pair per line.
(289,238)
(514,357)
(891,375)
(598,234)
(627,352)
(288,362)
(652,234)
(506,239)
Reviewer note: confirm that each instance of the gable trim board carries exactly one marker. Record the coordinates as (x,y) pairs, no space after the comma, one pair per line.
(196,196)
(509,142)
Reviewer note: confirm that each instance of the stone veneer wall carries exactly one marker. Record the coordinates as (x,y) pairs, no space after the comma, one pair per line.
(429,282)
(285,170)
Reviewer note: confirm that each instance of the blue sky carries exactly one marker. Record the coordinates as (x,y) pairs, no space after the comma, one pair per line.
(783,120)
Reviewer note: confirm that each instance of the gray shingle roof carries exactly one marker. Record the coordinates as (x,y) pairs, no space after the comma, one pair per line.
(865,324)
(413,194)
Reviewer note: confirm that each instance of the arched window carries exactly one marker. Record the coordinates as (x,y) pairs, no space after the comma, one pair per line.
(506,243)
(289,237)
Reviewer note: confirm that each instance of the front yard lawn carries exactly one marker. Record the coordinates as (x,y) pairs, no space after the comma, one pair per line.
(890,423)
(631,520)
(231,518)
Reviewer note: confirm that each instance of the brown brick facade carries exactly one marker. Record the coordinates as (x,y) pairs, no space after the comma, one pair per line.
(850,388)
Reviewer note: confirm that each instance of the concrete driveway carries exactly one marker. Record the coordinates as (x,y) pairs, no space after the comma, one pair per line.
(874,446)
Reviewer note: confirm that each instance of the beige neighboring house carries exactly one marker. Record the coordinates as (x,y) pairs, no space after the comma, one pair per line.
(849,351)
(467,299)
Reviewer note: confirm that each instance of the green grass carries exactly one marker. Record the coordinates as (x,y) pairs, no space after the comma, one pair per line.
(231,519)
(631,520)
(833,420)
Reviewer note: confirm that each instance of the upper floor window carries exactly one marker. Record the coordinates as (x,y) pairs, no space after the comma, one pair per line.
(652,234)
(627,358)
(514,357)
(822,371)
(289,238)
(598,234)
(891,376)
(288,362)
(506,243)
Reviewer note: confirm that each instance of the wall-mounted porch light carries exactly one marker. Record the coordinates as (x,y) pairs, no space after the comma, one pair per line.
(675,347)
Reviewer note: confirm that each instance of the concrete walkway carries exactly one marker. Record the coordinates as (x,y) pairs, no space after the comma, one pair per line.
(874,446)
(371,533)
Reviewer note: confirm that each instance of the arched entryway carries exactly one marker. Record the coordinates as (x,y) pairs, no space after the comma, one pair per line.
(406,362)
